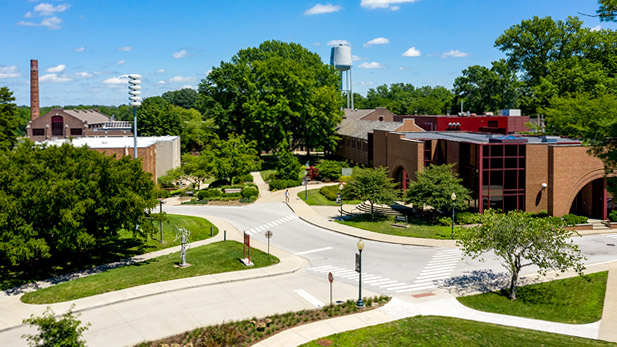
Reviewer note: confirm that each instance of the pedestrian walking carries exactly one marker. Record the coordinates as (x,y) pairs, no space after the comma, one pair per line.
(286,195)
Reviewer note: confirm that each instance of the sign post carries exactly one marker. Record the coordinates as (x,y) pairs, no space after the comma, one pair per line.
(330,279)
(247,244)
(268,236)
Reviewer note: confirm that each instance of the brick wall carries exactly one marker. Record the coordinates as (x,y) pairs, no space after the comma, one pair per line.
(147,155)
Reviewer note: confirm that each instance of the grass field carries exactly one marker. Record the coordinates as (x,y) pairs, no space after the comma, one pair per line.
(383,225)
(314,198)
(214,258)
(443,331)
(576,300)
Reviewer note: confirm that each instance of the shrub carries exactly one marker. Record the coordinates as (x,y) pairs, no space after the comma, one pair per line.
(278,184)
(613,216)
(329,192)
(329,170)
(446,221)
(204,194)
(249,191)
(64,331)
(175,192)
(287,167)
(571,219)
(242,179)
(160,193)
(467,218)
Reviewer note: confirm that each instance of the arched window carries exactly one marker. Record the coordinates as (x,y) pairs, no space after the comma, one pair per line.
(57,126)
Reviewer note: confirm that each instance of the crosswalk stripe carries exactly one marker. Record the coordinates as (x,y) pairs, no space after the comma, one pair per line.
(434,272)
(319,267)
(378,281)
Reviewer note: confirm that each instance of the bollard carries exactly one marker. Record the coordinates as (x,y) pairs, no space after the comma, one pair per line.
(224,235)
(210,231)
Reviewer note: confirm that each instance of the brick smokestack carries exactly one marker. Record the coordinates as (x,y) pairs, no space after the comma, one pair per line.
(34,89)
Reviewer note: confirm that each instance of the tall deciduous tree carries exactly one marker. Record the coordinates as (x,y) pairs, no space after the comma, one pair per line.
(519,241)
(607,10)
(57,201)
(8,119)
(372,185)
(404,98)
(157,117)
(234,157)
(185,97)
(274,93)
(434,187)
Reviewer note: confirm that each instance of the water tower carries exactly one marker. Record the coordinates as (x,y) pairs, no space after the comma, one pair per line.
(340,58)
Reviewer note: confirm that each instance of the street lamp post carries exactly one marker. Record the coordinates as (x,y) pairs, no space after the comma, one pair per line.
(161,202)
(135,101)
(453,197)
(360,245)
(340,188)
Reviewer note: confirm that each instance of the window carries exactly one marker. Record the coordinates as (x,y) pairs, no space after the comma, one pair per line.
(76,131)
(493,124)
(57,125)
(38,132)
(503,176)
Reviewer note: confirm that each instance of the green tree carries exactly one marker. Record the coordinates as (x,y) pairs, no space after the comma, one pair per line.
(157,117)
(8,119)
(65,331)
(520,240)
(234,157)
(59,201)
(482,89)
(275,93)
(185,97)
(195,133)
(434,187)
(287,166)
(607,10)
(372,185)
(197,168)
(400,98)
(330,170)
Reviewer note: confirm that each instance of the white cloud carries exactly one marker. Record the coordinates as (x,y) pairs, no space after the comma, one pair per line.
(412,52)
(320,9)
(28,15)
(79,49)
(373,4)
(181,54)
(597,28)
(356,58)
(45,9)
(121,62)
(316,43)
(52,77)
(9,71)
(122,79)
(454,53)
(51,23)
(403,68)
(160,71)
(362,83)
(182,79)
(83,74)
(371,65)
(160,83)
(126,48)
(56,69)
(377,41)
(208,72)
(188,86)
(338,43)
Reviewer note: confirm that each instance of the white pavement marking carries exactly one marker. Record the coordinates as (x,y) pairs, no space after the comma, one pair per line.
(308,297)
(320,267)
(313,251)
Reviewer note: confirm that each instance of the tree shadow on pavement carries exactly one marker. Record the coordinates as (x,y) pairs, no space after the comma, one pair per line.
(482,281)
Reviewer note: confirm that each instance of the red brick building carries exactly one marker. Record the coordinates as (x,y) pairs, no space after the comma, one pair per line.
(503,171)
(62,124)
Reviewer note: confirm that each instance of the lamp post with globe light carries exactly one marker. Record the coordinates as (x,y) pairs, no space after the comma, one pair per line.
(360,245)
(340,188)
(135,101)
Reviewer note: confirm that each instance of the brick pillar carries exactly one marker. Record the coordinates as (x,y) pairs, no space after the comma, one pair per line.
(404,180)
(34,89)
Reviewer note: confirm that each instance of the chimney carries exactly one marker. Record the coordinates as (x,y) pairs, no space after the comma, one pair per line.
(34,89)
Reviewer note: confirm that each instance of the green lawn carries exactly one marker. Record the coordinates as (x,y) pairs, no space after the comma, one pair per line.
(223,256)
(383,224)
(109,250)
(314,198)
(444,331)
(576,300)
(199,228)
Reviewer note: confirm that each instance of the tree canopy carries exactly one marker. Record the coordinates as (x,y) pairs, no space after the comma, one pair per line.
(185,97)
(520,240)
(55,201)
(608,10)
(404,98)
(274,93)
(9,121)
(373,185)
(434,187)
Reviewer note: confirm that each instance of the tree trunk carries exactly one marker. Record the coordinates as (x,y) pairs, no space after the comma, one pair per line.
(514,279)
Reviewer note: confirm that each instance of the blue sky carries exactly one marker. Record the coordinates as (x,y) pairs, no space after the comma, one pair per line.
(85,48)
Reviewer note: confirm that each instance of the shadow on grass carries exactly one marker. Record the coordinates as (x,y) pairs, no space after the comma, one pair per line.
(111,253)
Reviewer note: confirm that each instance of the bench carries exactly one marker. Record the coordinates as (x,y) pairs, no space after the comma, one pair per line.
(232,190)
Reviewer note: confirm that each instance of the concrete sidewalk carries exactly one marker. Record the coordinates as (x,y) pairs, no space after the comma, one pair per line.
(441,303)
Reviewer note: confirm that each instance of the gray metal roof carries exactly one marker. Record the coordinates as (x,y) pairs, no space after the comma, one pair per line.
(483,137)
(90,116)
(360,128)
